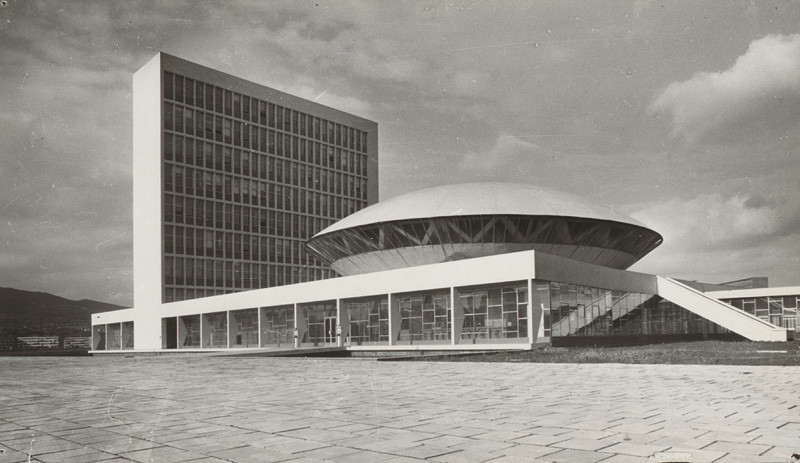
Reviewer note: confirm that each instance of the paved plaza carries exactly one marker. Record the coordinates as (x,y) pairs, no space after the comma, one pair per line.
(214,409)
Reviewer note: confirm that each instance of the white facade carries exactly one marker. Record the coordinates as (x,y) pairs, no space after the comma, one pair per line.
(455,278)
(147,205)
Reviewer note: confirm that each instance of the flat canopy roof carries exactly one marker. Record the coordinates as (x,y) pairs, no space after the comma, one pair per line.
(470,199)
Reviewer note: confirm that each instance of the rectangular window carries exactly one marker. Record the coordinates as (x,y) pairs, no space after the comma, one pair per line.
(237,105)
(168,147)
(189,92)
(168,79)
(227,102)
(277,323)
(178,149)
(209,99)
(218,100)
(189,121)
(246,108)
(425,318)
(209,126)
(168,116)
(226,125)
(215,330)
(189,332)
(179,89)
(199,95)
(198,123)
(262,113)
(178,119)
(218,128)
(271,114)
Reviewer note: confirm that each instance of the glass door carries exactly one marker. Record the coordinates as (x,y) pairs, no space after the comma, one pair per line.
(330,330)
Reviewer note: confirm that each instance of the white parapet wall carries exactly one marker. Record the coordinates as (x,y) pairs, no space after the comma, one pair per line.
(714,310)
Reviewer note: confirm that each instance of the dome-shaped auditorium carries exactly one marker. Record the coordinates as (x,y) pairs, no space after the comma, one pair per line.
(454,222)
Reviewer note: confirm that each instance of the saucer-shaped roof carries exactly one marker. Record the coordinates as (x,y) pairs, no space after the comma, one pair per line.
(477,219)
(471,199)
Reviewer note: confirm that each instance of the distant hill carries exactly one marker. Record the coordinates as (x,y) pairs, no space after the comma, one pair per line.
(25,313)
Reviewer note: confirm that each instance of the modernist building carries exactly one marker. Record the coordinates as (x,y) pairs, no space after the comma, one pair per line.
(233,179)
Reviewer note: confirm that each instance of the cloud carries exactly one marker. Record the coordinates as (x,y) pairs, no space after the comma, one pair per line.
(442,80)
(760,91)
(716,221)
(714,237)
(509,157)
(328,98)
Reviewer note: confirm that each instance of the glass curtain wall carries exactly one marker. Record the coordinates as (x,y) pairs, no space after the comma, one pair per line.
(277,326)
(99,337)
(495,313)
(489,229)
(320,318)
(778,310)
(424,317)
(369,320)
(246,182)
(127,335)
(114,333)
(244,328)
(215,329)
(575,310)
(189,332)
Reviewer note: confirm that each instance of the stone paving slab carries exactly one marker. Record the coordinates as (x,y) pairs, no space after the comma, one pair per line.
(205,409)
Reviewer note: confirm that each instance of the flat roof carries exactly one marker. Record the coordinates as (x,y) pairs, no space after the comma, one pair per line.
(756,292)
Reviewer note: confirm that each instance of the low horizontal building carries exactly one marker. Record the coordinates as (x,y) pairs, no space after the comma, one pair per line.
(463,267)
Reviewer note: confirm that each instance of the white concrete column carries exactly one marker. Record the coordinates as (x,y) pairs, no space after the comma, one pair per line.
(452,315)
(531,334)
(259,326)
(338,327)
(391,318)
(228,323)
(296,328)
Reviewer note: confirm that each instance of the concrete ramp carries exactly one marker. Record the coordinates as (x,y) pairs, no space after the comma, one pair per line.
(727,316)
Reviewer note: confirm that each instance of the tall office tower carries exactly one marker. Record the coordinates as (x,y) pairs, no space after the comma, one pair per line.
(231,178)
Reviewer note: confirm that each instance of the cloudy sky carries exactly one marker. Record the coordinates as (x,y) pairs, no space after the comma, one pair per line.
(684,115)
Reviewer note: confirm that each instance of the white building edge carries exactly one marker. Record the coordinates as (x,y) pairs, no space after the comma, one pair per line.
(527,268)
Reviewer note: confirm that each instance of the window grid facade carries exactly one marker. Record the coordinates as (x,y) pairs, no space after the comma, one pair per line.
(113,336)
(424,317)
(495,313)
(484,314)
(246,182)
(277,326)
(321,322)
(189,332)
(369,319)
(575,310)
(778,310)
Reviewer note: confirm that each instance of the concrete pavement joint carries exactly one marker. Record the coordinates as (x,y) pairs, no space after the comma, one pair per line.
(240,410)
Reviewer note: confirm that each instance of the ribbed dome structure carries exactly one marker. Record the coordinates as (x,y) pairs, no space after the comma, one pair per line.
(476,219)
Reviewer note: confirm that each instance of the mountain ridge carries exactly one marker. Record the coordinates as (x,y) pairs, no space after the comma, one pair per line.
(25,313)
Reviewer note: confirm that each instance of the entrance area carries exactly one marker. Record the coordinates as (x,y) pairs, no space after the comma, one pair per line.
(169,333)
(330,330)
